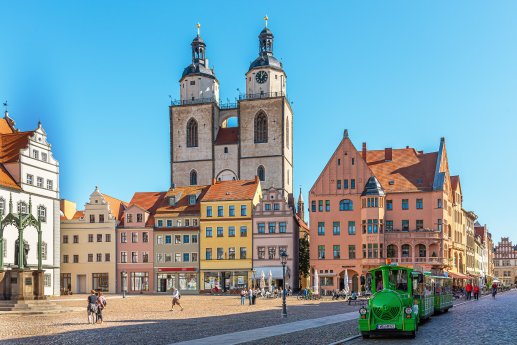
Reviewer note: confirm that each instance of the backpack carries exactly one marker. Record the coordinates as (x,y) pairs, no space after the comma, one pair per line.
(179,295)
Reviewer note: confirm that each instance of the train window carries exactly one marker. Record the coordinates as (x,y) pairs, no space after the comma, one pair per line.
(378,281)
(398,279)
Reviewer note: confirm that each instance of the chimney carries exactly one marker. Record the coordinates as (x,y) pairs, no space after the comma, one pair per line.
(213,181)
(256,179)
(364,152)
(388,154)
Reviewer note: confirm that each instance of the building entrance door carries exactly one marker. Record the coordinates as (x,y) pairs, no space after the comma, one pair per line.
(81,283)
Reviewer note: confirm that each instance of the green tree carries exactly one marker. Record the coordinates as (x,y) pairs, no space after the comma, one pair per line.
(304,257)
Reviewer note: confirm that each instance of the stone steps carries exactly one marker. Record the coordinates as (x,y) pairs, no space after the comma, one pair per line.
(32,307)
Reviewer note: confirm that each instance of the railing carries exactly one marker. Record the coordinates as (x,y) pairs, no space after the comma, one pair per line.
(243,96)
(423,260)
(192,101)
(228,105)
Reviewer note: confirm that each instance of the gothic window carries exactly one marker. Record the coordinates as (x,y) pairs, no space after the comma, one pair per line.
(42,213)
(192,133)
(261,173)
(261,128)
(193,178)
(287,133)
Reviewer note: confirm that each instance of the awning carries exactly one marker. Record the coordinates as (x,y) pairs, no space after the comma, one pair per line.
(458,275)
(276,271)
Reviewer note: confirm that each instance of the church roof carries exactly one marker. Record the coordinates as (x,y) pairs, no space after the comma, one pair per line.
(198,69)
(227,136)
(266,61)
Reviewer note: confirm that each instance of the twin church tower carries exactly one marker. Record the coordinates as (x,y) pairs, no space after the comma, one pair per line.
(207,145)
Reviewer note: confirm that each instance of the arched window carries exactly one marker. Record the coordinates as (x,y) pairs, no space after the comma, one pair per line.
(192,133)
(261,128)
(287,132)
(261,173)
(42,213)
(346,205)
(405,251)
(22,207)
(391,251)
(193,178)
(422,253)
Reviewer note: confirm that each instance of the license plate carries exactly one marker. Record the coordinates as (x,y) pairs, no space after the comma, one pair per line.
(387,326)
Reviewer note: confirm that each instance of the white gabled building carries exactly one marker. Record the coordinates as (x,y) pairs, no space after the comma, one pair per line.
(29,170)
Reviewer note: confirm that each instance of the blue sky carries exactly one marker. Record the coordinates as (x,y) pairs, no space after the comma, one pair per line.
(98,75)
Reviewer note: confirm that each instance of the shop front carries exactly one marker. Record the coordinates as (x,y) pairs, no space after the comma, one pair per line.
(184,279)
(225,281)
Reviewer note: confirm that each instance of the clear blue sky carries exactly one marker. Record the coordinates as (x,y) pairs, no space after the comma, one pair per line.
(395,73)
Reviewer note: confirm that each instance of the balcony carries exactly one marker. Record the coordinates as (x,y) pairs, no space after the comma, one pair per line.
(251,96)
(178,102)
(413,234)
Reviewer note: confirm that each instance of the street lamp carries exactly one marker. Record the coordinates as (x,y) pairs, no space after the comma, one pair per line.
(283,261)
(124,284)
(254,271)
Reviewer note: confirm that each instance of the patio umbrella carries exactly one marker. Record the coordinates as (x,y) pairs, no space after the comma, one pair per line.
(316,282)
(262,280)
(270,281)
(345,281)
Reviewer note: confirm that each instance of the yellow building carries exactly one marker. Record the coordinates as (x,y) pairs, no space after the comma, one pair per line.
(226,234)
(88,243)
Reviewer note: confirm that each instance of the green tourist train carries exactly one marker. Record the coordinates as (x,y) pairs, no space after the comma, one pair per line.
(402,298)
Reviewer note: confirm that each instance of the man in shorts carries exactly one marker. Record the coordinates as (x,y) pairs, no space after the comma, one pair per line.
(176,298)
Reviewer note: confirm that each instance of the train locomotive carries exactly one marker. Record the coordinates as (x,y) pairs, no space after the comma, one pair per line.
(403,298)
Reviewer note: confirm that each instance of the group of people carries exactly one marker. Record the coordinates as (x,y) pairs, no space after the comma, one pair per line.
(252,294)
(248,294)
(472,289)
(96,304)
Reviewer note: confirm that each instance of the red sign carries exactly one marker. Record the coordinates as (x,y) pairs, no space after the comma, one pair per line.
(176,269)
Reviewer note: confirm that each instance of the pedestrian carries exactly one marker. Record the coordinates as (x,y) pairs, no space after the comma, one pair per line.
(92,306)
(476,292)
(176,298)
(250,295)
(101,304)
(468,290)
(243,296)
(494,290)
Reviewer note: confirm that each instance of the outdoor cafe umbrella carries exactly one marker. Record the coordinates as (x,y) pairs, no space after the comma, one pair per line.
(262,280)
(345,281)
(316,282)
(270,281)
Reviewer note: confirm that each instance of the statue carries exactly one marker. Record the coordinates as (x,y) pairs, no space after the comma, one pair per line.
(17,250)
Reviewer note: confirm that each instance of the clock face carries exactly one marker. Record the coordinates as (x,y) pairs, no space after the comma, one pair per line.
(261,77)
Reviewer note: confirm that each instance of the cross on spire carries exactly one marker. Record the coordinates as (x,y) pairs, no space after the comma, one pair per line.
(266,18)
(198,26)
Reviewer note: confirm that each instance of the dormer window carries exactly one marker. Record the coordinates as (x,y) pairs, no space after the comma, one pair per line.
(172,201)
(191,199)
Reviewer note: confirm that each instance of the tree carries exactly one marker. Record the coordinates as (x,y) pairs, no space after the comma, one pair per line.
(304,257)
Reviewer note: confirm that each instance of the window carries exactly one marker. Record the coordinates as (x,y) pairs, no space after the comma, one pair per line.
(194,238)
(405,250)
(187,222)
(192,133)
(267,207)
(405,204)
(389,205)
(346,205)
(208,232)
(244,231)
(92,218)
(145,237)
(209,211)
(129,218)
(419,224)
(244,210)
(405,225)
(321,252)
(177,257)
(231,211)
(65,239)
(261,253)
(351,251)
(76,238)
(421,251)
(389,225)
(191,199)
(338,184)
(42,213)
(271,252)
(276,207)
(47,280)
(260,128)
(100,281)
(30,179)
(439,203)
(220,211)
(321,228)
(39,182)
(370,223)
(313,206)
(243,252)
(220,230)
(351,227)
(50,184)
(2,205)
(76,259)
(261,173)
(99,257)
(345,184)
(123,237)
(419,204)
(352,184)
(101,218)
(168,239)
(145,257)
(99,237)
(44,156)
(320,205)
(65,259)
(186,239)
(231,253)
(231,231)
(327,205)
(336,251)
(440,225)
(186,257)
(272,227)
(261,228)
(90,238)
(160,223)
(22,207)
(169,223)
(220,254)
(193,178)
(208,254)
(336,228)
(35,154)
(177,239)
(282,227)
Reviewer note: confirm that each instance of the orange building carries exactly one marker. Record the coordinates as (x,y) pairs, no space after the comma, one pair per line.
(367,206)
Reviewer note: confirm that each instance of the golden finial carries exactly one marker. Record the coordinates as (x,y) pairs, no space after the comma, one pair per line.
(266,19)
(198,26)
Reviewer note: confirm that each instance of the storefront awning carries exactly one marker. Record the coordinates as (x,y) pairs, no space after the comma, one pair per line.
(277,272)
(458,276)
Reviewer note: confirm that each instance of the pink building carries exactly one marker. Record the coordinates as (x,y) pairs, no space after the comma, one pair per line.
(135,243)
(367,206)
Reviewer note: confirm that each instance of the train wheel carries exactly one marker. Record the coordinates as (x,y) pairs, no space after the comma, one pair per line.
(412,335)
(365,335)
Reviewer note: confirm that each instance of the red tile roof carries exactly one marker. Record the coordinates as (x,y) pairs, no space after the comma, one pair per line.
(227,136)
(11,144)
(117,206)
(149,201)
(408,170)
(6,180)
(182,205)
(232,190)
(78,214)
(5,126)
(454,182)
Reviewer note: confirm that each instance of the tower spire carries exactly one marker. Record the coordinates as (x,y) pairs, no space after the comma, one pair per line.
(198,26)
(266,18)
(301,205)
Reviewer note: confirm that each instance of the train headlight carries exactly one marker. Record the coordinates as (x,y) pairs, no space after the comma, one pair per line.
(362,311)
(408,310)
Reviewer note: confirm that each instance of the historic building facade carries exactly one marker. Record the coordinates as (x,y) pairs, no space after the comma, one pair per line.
(205,146)
(505,262)
(88,245)
(29,172)
(370,205)
(176,240)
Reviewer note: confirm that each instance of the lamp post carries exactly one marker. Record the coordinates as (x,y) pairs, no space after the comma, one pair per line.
(124,283)
(283,260)
(254,271)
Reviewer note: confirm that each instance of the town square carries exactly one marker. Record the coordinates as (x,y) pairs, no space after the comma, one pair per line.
(239,173)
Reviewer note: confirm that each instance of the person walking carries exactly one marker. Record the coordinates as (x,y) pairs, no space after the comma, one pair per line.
(476,292)
(92,306)
(468,290)
(176,298)
(250,295)
(101,304)
(494,290)
(243,296)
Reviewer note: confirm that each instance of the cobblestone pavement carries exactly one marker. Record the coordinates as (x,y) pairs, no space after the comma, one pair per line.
(147,320)
(486,321)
